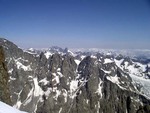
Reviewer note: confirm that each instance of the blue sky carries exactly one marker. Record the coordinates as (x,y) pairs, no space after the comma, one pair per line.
(116,24)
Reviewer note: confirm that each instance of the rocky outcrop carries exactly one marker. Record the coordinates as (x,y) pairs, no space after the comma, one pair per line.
(4,89)
(60,82)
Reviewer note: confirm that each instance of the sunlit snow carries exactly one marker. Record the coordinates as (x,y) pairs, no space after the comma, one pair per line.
(4,108)
(48,54)
(77,61)
(106,61)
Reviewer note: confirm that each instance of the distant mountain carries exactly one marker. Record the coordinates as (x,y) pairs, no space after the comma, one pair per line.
(57,80)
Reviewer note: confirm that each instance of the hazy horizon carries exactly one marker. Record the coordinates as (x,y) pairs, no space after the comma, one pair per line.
(106,24)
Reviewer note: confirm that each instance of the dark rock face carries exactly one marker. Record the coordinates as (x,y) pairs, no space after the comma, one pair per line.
(63,83)
(4,89)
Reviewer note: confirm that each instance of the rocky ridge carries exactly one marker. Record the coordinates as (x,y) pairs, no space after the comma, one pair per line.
(59,81)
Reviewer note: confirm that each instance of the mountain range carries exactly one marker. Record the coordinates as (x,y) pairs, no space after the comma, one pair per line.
(57,80)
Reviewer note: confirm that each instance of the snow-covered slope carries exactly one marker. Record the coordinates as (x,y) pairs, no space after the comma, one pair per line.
(138,71)
(4,108)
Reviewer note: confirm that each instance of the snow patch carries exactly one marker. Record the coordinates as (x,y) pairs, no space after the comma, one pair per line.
(60,74)
(37,89)
(142,66)
(98,106)
(73,88)
(44,81)
(126,64)
(29,97)
(148,64)
(82,57)
(21,66)
(10,71)
(65,95)
(73,85)
(31,49)
(4,108)
(113,79)
(118,63)
(56,78)
(46,93)
(106,61)
(59,69)
(77,61)
(94,57)
(99,90)
(87,101)
(48,54)
(71,53)
(145,83)
(105,71)
(5,40)
(11,78)
(57,94)
(60,110)
(18,103)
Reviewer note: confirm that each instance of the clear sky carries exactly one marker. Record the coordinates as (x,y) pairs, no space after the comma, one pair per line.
(119,24)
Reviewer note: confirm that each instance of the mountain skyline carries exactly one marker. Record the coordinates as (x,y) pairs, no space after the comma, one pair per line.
(59,81)
(118,24)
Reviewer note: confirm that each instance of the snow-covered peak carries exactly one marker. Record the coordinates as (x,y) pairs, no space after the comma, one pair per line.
(54,49)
